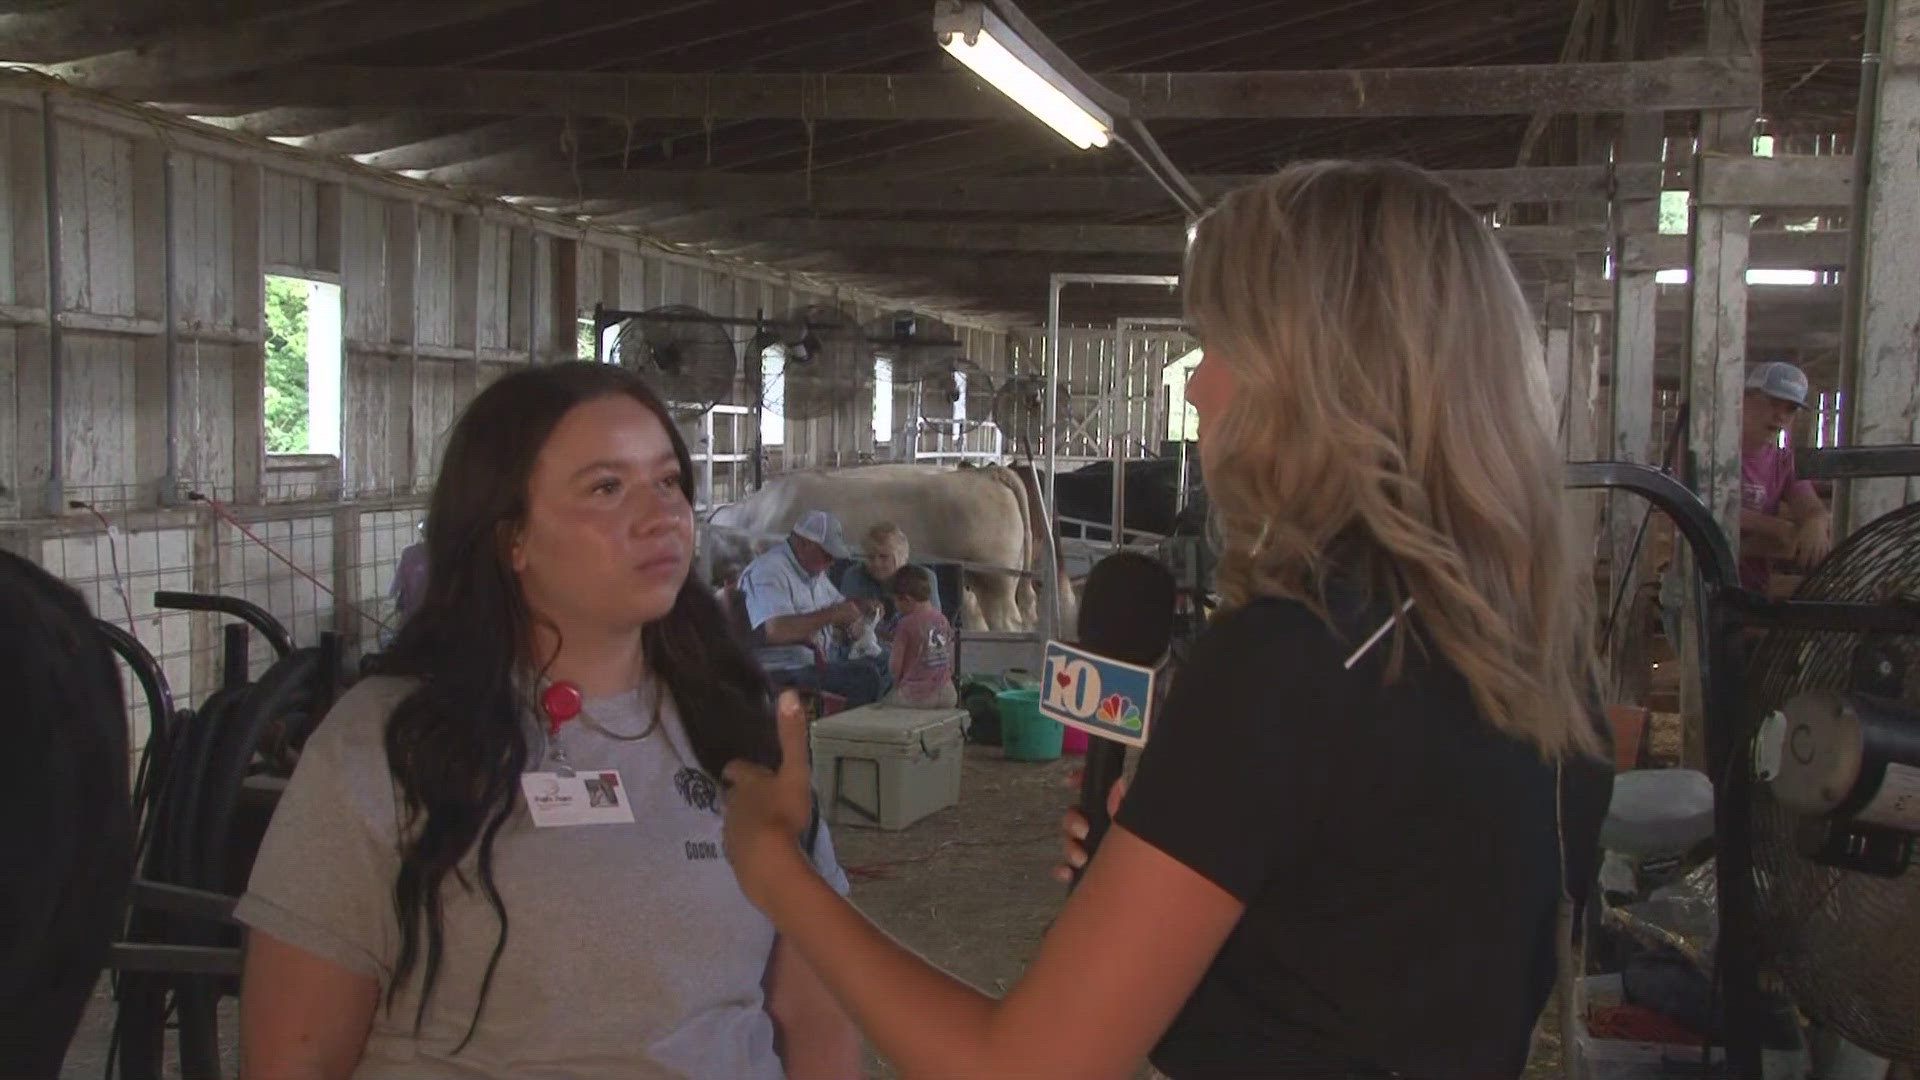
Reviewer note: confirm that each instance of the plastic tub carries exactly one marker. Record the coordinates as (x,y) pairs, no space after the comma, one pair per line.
(1025,735)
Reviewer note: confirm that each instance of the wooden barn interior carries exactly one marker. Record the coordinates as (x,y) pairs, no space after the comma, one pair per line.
(411,200)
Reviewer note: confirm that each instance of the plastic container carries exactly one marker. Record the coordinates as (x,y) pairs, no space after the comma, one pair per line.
(1025,735)
(887,768)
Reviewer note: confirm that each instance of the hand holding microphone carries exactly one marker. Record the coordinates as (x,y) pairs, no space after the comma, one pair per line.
(1126,614)
(1074,828)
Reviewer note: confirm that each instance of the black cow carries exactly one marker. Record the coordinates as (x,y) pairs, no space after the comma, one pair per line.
(1152,487)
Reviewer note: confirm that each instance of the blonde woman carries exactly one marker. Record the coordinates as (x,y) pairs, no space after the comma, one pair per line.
(1376,780)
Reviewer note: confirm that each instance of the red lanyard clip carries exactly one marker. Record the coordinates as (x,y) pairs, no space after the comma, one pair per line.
(561,702)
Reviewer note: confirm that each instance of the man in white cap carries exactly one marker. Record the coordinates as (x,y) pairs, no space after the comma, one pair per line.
(794,609)
(1780,515)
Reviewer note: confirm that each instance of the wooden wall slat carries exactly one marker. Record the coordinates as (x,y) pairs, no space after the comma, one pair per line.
(364,225)
(634,282)
(291,225)
(205,392)
(96,395)
(70,161)
(498,297)
(440,392)
(204,240)
(9,205)
(437,274)
(9,416)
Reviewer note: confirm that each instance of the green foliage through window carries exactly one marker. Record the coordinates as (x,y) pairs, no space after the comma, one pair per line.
(286,405)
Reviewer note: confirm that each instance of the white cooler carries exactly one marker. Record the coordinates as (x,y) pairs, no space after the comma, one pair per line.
(887,768)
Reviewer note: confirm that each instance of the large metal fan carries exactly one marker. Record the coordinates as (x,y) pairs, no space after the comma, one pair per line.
(917,350)
(1020,410)
(685,354)
(825,363)
(1845,940)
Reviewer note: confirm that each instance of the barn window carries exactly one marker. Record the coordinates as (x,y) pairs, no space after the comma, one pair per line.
(302,414)
(773,380)
(882,399)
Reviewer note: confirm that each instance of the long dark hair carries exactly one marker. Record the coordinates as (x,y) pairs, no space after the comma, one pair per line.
(457,744)
(64,813)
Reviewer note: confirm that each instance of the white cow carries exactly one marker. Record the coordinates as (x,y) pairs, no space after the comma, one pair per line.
(979,516)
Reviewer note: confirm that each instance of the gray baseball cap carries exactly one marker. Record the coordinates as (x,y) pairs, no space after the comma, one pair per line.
(1780,380)
(824,529)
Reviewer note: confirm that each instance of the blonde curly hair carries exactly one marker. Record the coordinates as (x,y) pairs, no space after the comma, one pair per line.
(1390,386)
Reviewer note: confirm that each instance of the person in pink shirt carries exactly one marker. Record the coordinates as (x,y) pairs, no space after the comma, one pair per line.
(1780,515)
(922,659)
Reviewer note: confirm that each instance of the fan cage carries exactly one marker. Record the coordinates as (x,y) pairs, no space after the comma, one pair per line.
(1846,944)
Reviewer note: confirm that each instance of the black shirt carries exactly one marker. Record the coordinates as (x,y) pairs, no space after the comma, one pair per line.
(1398,857)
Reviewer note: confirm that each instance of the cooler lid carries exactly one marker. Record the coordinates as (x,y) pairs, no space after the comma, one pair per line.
(898,727)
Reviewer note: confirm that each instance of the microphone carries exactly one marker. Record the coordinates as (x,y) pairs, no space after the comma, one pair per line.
(1126,614)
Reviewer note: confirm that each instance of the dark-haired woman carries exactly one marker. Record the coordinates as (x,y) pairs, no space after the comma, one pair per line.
(441,894)
(66,829)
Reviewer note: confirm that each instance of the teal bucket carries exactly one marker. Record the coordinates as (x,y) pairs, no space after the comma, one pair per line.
(1025,735)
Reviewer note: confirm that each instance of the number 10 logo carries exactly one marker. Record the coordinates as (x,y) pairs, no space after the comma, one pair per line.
(1073,685)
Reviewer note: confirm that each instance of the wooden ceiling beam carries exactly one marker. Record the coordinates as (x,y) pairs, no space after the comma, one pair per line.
(973,236)
(232,49)
(61,32)
(1638,86)
(1786,182)
(285,121)
(522,134)
(770,192)
(1769,250)
(370,136)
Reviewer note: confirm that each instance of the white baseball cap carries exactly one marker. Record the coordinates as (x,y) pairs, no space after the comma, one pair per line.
(824,529)
(1779,380)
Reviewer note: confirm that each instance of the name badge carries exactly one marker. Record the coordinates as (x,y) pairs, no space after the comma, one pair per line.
(585,798)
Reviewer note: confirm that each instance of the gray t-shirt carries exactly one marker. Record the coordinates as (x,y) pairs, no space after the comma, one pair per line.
(631,951)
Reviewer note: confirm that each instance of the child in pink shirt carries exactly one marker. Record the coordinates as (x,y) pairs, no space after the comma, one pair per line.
(922,658)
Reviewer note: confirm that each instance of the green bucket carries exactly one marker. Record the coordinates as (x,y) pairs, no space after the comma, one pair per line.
(1025,735)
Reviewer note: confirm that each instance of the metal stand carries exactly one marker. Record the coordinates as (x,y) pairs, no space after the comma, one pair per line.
(1050,409)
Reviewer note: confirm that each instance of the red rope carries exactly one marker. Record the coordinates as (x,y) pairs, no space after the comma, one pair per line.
(221,512)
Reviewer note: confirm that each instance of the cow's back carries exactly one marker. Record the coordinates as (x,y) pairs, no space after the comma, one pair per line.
(964,515)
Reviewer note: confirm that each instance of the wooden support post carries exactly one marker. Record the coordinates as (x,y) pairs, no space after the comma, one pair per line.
(403,288)
(346,579)
(1717,330)
(153,369)
(1717,334)
(249,356)
(1630,400)
(24,440)
(1559,346)
(1883,405)
(562,298)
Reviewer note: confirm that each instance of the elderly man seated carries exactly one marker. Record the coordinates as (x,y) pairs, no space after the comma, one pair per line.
(794,611)
(869,582)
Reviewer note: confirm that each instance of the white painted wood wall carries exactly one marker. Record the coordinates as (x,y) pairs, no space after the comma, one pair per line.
(440,296)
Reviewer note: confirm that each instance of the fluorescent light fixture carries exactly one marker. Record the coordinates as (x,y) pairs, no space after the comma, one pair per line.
(1783,277)
(979,39)
(1802,278)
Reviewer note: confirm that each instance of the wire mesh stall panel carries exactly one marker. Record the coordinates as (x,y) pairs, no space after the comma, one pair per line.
(283,564)
(117,571)
(384,535)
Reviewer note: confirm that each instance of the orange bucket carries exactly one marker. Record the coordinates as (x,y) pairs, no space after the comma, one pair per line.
(1629,724)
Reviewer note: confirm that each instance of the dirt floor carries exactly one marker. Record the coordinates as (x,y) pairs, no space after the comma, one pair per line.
(968,888)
